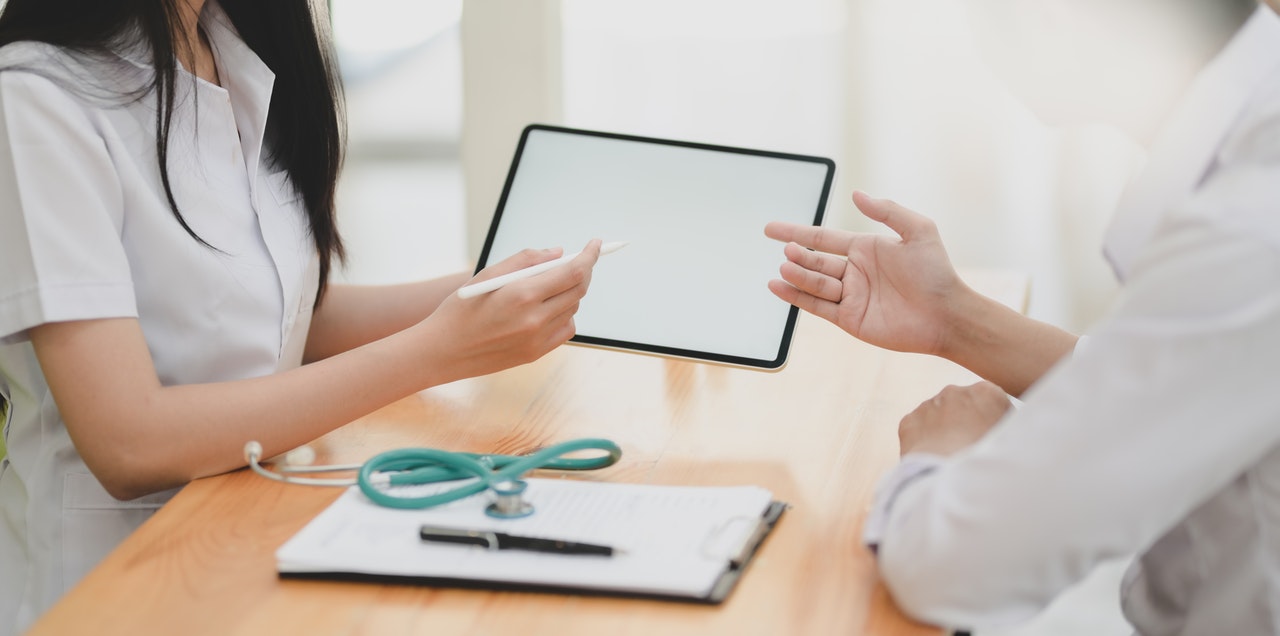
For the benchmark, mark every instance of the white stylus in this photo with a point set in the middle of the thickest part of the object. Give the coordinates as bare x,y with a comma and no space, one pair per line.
486,286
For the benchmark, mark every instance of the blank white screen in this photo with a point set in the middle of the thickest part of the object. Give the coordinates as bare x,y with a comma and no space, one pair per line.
695,274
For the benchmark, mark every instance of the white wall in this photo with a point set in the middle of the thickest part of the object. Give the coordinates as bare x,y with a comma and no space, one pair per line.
895,92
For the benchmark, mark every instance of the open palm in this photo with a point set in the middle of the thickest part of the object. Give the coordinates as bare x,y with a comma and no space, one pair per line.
892,292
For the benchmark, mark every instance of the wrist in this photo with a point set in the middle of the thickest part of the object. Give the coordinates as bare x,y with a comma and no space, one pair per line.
1001,345
432,360
968,325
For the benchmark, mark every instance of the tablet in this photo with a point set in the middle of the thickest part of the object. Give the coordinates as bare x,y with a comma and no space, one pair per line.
693,281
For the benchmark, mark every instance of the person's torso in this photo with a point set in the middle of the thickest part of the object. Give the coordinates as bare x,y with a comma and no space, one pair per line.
1218,570
238,308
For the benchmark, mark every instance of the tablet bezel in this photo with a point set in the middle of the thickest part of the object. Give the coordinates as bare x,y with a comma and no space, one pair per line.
784,345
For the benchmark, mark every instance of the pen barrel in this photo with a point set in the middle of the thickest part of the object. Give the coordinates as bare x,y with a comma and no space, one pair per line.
498,282
553,545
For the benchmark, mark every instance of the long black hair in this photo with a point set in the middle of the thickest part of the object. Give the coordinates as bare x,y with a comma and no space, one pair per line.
305,124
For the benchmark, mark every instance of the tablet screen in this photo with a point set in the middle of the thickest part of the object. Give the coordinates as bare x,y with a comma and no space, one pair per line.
692,282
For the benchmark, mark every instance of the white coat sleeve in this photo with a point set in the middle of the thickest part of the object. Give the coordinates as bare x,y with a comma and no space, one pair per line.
61,210
1174,396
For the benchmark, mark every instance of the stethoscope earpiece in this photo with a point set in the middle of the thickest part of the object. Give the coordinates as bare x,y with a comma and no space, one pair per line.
252,453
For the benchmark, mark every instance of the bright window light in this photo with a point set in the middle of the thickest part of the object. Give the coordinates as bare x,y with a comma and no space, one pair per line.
707,18
385,26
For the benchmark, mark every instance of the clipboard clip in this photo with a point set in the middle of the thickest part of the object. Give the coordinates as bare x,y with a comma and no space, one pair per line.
752,530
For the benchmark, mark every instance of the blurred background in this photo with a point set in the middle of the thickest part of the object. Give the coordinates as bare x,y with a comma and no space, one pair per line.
896,93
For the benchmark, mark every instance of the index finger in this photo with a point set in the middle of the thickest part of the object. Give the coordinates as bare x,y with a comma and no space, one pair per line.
565,277
516,262
823,239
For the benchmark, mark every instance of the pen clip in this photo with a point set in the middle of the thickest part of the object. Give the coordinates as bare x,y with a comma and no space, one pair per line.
459,535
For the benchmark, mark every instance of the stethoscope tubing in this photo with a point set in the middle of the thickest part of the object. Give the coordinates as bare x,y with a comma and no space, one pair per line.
421,466
415,466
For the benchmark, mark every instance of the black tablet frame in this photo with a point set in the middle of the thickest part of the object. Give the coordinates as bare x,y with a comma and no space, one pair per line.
784,346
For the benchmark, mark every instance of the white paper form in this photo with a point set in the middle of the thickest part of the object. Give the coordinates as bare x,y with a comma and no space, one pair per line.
676,540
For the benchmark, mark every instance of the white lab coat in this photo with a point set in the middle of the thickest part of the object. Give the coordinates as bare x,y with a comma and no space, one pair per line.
1161,434
86,233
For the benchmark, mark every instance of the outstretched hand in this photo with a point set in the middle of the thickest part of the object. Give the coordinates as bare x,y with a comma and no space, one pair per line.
892,292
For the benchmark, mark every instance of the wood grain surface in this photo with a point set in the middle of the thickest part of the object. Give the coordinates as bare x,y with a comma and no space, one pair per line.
818,434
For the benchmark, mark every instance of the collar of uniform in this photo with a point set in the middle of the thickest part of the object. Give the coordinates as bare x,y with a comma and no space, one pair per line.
248,81
1184,152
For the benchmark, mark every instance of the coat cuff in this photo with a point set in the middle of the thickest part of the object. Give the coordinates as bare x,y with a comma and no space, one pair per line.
912,467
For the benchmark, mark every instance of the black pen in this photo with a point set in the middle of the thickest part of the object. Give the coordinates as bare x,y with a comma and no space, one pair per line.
504,541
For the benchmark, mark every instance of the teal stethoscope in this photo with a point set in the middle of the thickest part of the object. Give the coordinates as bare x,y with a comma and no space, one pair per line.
416,466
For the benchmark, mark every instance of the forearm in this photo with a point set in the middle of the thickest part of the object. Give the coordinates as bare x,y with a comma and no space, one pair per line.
350,316
140,437
1002,345
281,411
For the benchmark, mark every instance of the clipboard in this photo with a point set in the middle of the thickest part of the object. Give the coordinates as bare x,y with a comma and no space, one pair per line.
355,540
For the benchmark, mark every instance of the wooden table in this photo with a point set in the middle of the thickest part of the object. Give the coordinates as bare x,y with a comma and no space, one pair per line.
818,434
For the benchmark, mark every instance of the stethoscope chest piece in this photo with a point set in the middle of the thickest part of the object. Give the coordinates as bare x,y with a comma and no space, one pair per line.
509,502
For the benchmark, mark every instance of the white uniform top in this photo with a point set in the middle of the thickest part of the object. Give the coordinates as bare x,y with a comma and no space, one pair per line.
1161,434
86,232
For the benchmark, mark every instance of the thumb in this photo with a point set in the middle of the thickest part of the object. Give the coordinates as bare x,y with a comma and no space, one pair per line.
903,221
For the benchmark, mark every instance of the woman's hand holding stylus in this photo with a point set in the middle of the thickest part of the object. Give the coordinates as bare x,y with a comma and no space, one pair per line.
516,324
